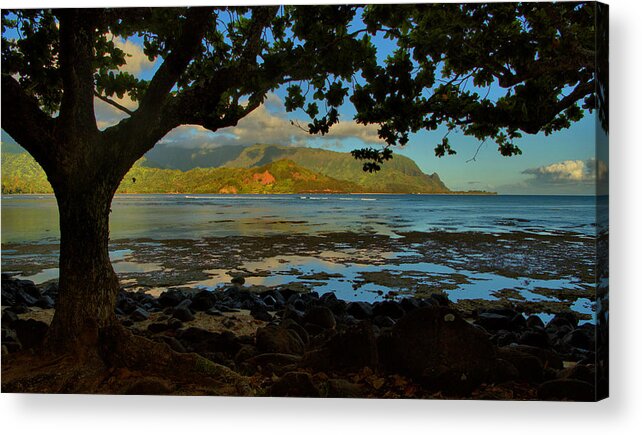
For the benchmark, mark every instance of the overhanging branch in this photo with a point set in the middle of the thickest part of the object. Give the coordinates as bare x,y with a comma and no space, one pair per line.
113,103
23,119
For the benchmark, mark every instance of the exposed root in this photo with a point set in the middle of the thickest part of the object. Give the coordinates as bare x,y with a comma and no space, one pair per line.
123,364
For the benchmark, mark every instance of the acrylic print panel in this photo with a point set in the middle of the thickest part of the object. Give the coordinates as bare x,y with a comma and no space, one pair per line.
388,201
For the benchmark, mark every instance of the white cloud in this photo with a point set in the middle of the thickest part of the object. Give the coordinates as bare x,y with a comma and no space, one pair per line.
137,60
269,123
567,171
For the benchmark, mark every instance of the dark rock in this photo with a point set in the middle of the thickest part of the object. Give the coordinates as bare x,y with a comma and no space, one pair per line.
493,321
291,313
440,299
10,340
383,321
313,329
125,304
534,337
300,330
391,309
202,341
534,321
505,371
269,363
504,338
260,313
277,339
182,311
19,309
517,323
547,357
127,322
269,301
359,310
529,367
214,312
173,343
8,317
579,338
566,389
409,304
563,319
203,301
155,328
171,298
351,349
139,315
294,384
341,388
45,302
238,280
30,332
320,316
437,347
581,372
174,323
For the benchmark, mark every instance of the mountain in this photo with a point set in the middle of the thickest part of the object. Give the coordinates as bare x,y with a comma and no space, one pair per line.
399,175
21,174
253,169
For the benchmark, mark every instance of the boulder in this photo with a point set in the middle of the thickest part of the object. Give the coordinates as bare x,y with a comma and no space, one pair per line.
139,315
534,321
391,309
269,363
528,366
45,302
294,384
341,388
349,350
320,316
261,313
203,301
493,321
277,339
171,298
30,332
437,347
359,310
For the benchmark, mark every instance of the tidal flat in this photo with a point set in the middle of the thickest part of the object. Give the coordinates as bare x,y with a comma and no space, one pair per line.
535,273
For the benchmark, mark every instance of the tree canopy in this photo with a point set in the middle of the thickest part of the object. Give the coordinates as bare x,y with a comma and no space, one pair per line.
492,71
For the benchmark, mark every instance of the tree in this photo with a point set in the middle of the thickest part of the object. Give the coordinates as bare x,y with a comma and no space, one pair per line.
219,63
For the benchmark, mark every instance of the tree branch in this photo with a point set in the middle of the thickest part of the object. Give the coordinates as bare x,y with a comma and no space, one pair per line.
25,122
183,51
77,29
113,103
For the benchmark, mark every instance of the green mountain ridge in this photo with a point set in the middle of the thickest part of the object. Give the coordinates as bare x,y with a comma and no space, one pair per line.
399,175
253,169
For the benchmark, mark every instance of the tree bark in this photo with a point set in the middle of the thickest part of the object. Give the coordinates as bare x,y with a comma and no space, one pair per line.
88,285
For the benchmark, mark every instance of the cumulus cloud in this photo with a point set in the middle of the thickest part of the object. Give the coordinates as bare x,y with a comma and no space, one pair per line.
269,123
137,60
567,171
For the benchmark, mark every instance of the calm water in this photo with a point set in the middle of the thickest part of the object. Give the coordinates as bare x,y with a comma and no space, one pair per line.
33,218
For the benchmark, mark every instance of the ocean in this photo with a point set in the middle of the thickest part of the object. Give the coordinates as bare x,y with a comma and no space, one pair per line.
534,251
34,218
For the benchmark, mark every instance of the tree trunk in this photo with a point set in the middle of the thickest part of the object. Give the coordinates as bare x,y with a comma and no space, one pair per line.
88,285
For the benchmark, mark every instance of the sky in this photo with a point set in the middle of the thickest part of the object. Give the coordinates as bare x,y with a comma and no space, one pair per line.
561,163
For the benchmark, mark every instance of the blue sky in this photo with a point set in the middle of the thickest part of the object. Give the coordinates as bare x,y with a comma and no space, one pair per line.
562,163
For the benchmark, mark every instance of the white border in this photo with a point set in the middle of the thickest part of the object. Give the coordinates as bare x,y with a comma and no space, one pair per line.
621,413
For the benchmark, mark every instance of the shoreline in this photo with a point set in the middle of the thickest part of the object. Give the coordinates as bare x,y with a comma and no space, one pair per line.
290,344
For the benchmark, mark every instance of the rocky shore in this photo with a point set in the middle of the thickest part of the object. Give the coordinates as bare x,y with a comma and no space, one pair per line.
287,343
